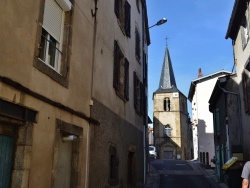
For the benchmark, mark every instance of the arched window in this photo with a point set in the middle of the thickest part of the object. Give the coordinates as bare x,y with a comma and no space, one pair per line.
168,130
166,104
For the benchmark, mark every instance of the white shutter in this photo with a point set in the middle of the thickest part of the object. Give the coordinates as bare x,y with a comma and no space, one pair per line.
52,19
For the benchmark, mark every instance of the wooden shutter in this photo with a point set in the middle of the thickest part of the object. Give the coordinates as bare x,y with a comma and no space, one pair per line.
117,8
116,61
142,99
137,44
126,90
52,19
127,18
246,90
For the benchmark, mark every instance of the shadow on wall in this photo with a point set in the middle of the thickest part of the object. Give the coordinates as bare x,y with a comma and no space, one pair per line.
205,142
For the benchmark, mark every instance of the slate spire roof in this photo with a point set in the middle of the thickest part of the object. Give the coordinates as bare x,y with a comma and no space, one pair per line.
167,79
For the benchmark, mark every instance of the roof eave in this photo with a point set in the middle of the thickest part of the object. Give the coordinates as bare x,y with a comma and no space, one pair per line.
235,20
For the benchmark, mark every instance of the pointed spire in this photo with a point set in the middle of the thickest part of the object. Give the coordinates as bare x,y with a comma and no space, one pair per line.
167,79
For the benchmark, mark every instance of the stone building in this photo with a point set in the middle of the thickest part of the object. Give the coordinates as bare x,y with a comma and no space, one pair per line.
119,94
172,132
73,92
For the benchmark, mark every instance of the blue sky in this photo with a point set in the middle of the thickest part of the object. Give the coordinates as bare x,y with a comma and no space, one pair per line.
196,30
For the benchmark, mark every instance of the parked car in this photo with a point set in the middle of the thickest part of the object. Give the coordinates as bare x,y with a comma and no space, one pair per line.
152,152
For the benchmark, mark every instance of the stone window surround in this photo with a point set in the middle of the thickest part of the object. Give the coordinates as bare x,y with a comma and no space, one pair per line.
68,128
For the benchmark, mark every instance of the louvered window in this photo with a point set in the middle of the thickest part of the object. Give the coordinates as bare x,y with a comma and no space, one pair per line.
121,73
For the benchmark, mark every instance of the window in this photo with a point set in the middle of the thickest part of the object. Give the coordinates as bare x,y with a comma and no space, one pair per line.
113,166
54,39
168,130
166,104
137,45
49,52
139,95
121,73
216,115
67,152
246,88
245,28
123,14
145,70
138,5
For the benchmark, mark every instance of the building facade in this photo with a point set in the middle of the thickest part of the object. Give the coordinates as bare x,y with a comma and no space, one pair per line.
203,130
172,132
45,78
73,92
119,95
224,103
238,31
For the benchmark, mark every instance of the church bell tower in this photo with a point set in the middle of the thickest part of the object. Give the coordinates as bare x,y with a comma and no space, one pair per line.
170,118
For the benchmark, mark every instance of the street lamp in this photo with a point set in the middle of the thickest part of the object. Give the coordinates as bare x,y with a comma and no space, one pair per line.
160,22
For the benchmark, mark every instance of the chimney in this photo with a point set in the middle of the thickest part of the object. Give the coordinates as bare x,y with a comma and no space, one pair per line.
200,73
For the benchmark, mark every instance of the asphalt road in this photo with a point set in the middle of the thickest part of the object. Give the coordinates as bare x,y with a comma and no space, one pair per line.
181,174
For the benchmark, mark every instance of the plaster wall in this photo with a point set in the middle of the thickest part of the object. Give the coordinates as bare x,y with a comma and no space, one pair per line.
241,59
44,136
18,47
202,118
108,30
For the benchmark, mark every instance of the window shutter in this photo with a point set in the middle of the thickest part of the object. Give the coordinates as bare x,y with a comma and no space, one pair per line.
246,91
135,94
116,61
142,97
137,44
126,91
127,18
52,19
117,8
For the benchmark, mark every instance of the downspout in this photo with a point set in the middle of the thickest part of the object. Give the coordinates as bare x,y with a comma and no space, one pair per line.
94,14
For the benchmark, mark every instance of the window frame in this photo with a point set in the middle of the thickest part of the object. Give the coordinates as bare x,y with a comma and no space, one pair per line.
120,73
166,104
245,27
113,166
139,95
122,11
137,45
246,90
168,130
62,74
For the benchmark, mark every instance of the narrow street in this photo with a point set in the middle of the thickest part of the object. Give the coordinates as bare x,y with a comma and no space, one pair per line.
179,174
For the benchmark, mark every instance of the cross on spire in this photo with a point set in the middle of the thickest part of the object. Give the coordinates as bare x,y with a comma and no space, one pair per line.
166,40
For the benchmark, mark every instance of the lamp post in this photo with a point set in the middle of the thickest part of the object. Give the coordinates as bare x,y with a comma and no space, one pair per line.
160,22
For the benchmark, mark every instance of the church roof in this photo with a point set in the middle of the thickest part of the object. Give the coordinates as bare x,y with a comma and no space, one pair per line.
167,80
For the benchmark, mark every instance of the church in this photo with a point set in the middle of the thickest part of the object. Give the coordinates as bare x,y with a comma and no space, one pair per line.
172,128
